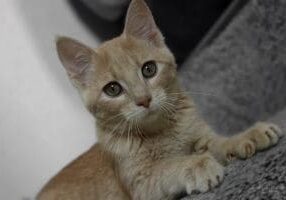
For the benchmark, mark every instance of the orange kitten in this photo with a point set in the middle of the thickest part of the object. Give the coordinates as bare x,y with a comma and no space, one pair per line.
152,144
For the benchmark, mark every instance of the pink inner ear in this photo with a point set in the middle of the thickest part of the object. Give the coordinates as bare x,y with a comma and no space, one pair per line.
75,57
152,35
81,62
77,64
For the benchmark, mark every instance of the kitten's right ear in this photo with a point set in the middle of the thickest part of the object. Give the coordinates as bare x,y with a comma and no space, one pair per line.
140,23
75,57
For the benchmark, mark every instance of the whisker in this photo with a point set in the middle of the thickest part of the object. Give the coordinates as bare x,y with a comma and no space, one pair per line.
196,93
113,118
111,144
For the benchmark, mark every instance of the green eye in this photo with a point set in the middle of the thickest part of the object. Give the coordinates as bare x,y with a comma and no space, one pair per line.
112,89
149,69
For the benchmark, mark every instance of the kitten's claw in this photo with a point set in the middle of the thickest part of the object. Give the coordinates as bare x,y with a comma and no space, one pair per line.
261,136
246,149
230,157
265,135
206,174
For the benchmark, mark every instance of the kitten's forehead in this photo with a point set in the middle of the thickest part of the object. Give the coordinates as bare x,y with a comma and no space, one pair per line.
122,56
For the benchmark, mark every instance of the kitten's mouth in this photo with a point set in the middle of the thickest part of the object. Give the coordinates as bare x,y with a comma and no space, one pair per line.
152,110
143,115
149,114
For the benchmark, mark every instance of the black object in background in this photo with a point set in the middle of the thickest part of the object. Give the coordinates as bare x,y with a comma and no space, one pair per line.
183,22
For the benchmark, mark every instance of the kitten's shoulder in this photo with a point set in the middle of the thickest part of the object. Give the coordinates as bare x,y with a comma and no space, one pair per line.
87,177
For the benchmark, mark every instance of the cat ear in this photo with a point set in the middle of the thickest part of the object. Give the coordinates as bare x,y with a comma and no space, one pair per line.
75,57
140,23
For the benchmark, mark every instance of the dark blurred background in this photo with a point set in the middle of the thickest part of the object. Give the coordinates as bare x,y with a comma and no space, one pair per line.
183,23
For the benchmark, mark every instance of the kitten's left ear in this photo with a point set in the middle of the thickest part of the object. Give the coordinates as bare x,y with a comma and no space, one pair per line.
140,23
76,59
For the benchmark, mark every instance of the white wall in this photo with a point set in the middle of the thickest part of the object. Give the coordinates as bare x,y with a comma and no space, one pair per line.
43,124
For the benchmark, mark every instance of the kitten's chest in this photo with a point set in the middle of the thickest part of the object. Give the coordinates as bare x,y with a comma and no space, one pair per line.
169,145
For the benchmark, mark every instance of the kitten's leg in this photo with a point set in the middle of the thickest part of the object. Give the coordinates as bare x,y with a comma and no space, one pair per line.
244,145
166,178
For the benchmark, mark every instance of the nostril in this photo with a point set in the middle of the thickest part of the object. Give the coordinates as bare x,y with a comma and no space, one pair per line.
149,99
145,102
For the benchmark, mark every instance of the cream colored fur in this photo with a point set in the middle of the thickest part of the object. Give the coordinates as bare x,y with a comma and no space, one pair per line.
143,153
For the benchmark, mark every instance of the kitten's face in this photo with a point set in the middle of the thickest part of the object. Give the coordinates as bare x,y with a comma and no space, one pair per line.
131,77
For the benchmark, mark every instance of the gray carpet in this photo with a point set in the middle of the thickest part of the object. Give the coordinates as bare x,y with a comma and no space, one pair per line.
241,77
238,79
261,178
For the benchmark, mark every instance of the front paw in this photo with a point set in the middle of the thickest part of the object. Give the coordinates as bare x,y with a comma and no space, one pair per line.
205,174
264,135
261,136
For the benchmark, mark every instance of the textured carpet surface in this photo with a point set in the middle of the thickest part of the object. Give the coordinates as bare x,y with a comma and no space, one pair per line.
237,80
262,177
241,77
192,18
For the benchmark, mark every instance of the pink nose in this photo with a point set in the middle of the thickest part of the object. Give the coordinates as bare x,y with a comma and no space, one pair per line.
144,101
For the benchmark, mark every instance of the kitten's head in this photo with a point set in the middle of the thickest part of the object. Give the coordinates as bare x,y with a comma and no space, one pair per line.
131,77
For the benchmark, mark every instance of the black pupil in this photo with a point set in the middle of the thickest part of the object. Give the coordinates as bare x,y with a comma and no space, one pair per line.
112,89
149,69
